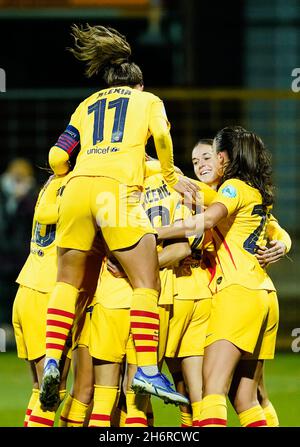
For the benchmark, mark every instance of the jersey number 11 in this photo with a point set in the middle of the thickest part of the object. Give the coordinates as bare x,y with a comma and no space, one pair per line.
99,108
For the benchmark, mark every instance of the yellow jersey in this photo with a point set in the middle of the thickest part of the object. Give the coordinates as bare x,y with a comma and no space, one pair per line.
40,269
162,204
112,127
276,232
192,276
208,194
236,237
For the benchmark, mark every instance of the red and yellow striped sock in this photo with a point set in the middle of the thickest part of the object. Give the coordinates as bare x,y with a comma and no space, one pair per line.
65,411
186,419
271,416
123,416
32,401
196,409
104,400
213,411
137,405
76,414
253,417
60,317
41,418
144,324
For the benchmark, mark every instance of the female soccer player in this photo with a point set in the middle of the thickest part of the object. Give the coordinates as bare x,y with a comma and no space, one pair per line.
36,281
244,318
206,170
112,127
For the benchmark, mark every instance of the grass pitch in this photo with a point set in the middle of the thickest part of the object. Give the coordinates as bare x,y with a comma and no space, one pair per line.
282,379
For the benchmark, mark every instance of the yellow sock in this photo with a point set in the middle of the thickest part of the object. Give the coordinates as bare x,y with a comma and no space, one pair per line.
76,414
41,418
104,400
271,416
32,401
253,417
123,416
196,409
213,411
137,405
65,411
186,419
144,325
62,395
60,317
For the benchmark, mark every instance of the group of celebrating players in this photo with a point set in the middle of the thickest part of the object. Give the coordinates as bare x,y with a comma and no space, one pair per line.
133,264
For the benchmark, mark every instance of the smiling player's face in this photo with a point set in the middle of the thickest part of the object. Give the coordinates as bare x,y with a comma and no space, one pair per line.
206,164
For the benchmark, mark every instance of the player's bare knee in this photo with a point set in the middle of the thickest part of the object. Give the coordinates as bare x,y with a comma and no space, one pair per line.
215,386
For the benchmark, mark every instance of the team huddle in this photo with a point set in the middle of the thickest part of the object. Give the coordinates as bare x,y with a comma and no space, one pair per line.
132,264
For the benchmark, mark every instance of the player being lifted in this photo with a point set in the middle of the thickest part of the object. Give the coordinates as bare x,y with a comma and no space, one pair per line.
112,127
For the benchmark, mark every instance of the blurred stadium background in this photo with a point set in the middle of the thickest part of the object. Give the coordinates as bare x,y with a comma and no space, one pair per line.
213,63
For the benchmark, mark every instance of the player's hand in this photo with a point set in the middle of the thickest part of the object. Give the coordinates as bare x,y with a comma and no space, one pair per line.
115,269
188,190
274,253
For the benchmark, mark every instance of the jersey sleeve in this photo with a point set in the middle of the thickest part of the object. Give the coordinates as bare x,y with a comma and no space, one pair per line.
66,144
46,211
159,127
208,194
275,232
70,138
230,195
152,167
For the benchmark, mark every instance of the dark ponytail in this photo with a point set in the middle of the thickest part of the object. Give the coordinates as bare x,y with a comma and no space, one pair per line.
249,160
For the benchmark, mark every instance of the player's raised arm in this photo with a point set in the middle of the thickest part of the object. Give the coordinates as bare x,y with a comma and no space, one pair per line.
46,210
65,146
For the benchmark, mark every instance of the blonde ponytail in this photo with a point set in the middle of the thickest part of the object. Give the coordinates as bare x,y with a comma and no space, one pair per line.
99,47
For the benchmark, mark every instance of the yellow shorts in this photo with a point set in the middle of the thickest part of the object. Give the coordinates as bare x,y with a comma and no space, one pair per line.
81,325
29,322
110,337
247,318
89,203
82,329
164,311
187,327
